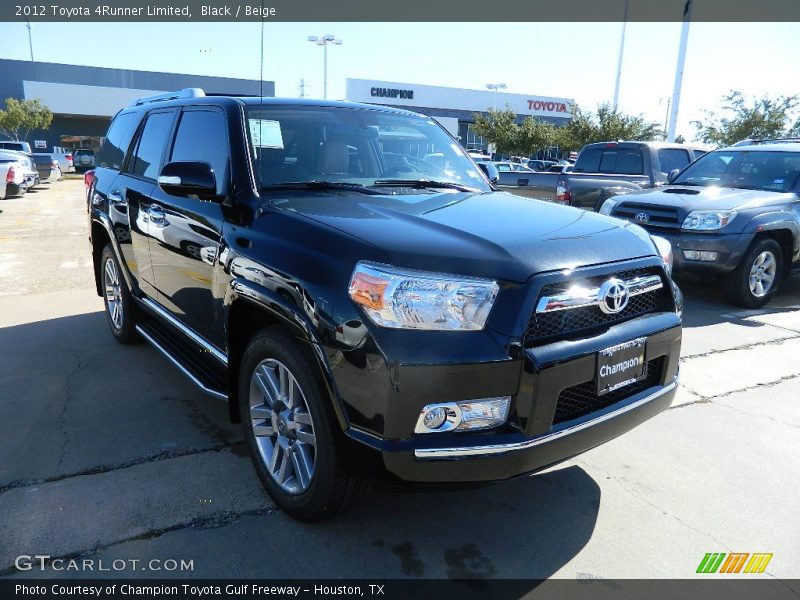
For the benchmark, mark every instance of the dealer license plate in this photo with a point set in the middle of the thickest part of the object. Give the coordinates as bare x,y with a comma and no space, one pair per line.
621,365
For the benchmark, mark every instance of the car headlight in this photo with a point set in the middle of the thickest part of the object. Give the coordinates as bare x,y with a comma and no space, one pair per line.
664,251
419,300
708,220
608,206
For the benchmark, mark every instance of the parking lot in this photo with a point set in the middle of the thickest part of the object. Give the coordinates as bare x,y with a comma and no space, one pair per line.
108,452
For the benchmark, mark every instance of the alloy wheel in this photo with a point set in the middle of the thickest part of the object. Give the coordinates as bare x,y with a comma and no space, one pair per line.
762,274
113,293
282,426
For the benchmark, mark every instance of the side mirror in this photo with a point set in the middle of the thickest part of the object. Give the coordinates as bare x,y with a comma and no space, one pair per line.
490,171
672,175
188,179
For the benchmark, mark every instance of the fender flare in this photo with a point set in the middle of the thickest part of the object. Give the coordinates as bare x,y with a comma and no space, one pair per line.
241,289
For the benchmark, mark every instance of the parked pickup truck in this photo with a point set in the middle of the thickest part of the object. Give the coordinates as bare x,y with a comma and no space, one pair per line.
732,214
610,168
369,316
540,185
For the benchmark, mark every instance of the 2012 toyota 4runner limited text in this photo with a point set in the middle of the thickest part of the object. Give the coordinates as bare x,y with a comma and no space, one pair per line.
349,280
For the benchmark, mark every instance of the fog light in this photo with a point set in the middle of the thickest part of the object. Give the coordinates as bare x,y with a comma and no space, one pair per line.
435,417
465,415
702,255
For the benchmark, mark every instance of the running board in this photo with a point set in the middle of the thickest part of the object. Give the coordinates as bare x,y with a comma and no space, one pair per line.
161,345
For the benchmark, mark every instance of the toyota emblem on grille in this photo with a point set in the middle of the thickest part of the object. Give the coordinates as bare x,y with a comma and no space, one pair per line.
613,296
642,217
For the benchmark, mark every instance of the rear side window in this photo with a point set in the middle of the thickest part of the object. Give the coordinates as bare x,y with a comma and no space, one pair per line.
672,158
150,149
621,161
203,136
117,141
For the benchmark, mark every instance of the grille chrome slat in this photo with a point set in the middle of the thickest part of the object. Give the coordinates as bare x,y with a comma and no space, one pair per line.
591,296
551,320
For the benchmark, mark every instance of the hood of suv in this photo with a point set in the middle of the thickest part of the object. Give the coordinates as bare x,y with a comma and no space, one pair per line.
495,235
689,198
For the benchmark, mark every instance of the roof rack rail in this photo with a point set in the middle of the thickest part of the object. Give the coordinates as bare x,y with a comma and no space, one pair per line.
184,93
755,142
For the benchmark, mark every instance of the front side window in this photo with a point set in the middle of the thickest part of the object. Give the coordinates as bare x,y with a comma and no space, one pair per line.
150,149
202,136
354,146
752,169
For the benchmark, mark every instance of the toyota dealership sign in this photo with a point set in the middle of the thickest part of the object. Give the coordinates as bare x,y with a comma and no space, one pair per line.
427,96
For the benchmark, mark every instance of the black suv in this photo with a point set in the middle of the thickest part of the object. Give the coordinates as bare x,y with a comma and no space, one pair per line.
350,282
733,213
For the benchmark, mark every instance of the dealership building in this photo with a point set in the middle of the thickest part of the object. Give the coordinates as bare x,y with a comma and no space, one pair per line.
455,108
83,99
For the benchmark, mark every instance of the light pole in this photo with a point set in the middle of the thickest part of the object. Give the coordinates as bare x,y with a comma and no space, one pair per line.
30,38
676,91
324,40
495,87
619,60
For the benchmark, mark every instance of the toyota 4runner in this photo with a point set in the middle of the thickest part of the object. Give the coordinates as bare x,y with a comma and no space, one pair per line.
352,284
733,213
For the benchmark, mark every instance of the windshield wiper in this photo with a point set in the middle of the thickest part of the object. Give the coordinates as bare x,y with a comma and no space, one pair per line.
316,184
423,183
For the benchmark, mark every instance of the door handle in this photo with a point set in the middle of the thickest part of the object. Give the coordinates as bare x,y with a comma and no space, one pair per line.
115,197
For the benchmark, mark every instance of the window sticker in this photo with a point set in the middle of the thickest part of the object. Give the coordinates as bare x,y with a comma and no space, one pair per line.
265,133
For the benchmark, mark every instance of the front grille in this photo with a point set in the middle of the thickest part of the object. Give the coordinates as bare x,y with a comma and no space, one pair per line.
655,216
587,319
582,399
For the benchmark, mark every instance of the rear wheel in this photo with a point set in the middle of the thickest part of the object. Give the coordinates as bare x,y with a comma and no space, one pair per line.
290,430
120,308
756,278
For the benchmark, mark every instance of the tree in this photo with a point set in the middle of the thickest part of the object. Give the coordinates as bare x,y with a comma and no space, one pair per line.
532,135
760,118
604,126
679,139
500,128
497,126
21,116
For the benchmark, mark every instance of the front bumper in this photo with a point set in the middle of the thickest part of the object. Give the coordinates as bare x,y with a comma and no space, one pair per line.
729,247
532,441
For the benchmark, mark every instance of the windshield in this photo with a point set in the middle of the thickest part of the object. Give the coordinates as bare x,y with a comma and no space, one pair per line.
294,144
752,169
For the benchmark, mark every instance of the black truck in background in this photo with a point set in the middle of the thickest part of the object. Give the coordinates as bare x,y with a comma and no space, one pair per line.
608,169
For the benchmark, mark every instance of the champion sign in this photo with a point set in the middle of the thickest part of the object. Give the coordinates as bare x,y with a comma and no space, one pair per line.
548,106
381,92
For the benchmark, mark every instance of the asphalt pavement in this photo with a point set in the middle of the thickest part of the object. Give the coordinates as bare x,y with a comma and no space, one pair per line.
108,452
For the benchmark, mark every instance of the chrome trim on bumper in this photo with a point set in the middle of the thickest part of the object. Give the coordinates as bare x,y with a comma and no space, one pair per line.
181,368
468,451
582,297
191,334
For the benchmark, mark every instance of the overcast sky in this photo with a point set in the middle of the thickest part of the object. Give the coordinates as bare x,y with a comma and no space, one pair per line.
572,60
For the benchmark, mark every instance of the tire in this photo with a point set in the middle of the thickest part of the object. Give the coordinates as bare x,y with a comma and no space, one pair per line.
294,433
119,304
755,280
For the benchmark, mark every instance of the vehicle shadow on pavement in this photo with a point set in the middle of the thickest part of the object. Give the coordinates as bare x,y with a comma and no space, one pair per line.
92,417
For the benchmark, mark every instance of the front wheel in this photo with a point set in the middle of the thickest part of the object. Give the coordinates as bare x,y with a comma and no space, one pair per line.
755,280
290,430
